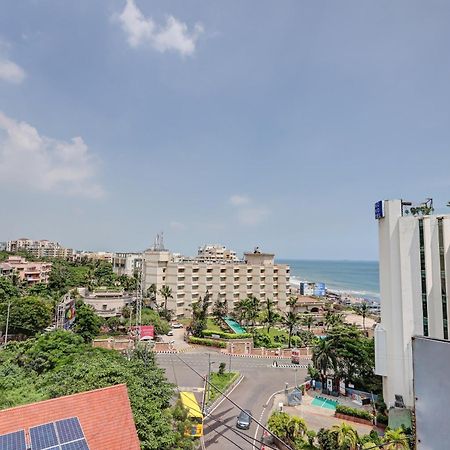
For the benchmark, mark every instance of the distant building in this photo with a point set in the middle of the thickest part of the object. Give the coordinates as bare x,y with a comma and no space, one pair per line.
215,253
226,278
414,282
2,246
126,263
107,303
30,272
100,420
95,256
39,248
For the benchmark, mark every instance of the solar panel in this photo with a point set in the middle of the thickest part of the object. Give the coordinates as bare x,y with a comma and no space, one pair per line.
43,437
69,430
13,441
77,445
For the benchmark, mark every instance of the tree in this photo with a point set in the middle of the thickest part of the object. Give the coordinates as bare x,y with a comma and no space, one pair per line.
269,315
288,428
7,289
152,317
151,294
324,357
308,321
199,315
291,302
220,310
333,319
247,310
395,440
347,437
290,320
87,323
363,311
221,368
113,323
28,315
166,293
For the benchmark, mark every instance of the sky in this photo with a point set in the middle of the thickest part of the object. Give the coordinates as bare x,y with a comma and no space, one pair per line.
275,124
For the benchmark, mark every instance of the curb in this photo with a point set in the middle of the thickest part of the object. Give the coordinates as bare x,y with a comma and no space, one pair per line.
291,366
306,358
226,392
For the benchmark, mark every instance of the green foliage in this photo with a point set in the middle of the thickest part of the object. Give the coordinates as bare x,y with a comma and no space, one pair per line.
68,366
327,439
87,322
225,335
360,413
290,320
221,381
166,293
152,317
199,319
222,366
269,315
220,310
261,339
207,342
247,310
382,419
28,315
289,429
7,289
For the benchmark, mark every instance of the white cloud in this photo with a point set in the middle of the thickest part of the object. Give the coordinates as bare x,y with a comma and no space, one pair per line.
247,212
32,161
174,35
238,200
10,71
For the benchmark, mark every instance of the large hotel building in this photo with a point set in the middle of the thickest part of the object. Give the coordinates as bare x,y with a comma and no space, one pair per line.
216,271
414,282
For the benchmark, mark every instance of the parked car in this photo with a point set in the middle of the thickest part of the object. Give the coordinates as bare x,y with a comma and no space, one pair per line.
170,333
177,325
244,419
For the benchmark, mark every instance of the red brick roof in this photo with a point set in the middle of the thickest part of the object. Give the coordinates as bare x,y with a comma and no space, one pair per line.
104,414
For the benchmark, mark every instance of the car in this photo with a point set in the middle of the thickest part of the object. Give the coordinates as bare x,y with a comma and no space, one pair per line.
244,419
170,333
177,325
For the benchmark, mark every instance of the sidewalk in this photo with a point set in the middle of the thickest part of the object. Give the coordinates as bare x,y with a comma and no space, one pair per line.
315,416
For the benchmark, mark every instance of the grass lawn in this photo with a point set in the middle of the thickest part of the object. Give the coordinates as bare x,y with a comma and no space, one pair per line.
211,325
221,382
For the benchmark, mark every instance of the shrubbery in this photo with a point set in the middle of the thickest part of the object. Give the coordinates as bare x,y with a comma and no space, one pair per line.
360,413
225,335
207,342
382,419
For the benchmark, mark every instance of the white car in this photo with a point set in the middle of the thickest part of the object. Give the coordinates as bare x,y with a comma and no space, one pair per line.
177,325
170,333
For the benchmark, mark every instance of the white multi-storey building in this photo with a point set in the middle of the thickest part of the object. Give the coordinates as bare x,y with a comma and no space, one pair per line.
190,279
127,263
414,281
40,248
213,253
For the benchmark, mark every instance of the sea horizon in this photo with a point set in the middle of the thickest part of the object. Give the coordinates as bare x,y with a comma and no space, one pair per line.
348,277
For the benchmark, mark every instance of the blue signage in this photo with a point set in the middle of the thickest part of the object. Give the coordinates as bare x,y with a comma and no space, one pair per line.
379,210
320,289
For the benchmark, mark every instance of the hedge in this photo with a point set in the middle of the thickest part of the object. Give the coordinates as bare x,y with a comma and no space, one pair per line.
360,413
207,342
382,418
224,335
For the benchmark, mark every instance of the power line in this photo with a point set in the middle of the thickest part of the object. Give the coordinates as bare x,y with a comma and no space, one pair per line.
239,433
233,402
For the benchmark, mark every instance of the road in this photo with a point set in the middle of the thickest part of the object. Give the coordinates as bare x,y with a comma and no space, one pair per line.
260,381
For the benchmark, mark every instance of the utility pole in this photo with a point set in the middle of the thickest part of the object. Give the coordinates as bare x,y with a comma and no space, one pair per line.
229,364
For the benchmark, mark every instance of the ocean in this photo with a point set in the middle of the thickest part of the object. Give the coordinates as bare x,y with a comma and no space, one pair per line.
355,278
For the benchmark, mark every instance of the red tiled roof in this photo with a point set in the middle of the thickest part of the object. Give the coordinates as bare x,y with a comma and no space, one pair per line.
104,414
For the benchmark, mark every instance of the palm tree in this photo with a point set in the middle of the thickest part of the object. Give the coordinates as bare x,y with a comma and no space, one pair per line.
324,357
363,310
308,321
395,440
253,308
270,316
291,302
347,436
166,293
295,428
290,320
333,319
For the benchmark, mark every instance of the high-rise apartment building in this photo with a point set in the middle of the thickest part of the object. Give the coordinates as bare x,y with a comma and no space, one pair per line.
229,279
40,248
414,282
127,263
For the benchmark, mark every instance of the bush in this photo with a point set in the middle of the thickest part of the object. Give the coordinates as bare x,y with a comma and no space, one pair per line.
382,419
224,335
207,342
360,413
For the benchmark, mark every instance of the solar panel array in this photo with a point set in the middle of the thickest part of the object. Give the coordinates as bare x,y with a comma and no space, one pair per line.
64,434
13,441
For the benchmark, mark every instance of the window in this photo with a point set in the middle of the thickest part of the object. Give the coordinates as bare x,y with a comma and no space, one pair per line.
423,278
443,279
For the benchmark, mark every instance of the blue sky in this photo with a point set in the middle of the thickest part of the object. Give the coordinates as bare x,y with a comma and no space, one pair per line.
276,124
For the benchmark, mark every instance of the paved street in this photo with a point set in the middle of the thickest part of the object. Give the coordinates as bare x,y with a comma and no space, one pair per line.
260,381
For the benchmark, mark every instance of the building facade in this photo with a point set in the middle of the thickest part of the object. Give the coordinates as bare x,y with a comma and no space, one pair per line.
29,272
190,279
414,254
126,263
40,248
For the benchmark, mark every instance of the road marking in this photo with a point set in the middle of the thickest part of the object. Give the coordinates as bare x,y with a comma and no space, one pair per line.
224,398
191,389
